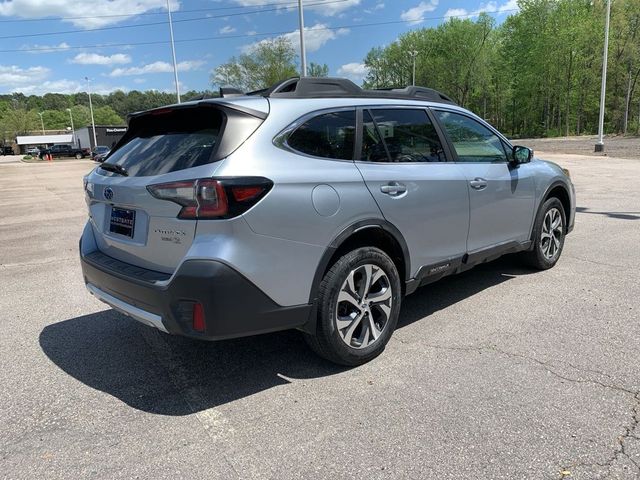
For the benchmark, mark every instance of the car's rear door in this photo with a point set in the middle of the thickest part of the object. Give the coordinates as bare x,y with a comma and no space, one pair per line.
408,172
501,193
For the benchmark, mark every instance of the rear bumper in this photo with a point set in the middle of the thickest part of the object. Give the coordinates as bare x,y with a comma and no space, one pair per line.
233,306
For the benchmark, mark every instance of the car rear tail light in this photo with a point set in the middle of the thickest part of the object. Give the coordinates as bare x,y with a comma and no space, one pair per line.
198,322
208,198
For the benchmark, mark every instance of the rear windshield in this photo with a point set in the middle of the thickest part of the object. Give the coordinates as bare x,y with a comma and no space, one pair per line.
168,141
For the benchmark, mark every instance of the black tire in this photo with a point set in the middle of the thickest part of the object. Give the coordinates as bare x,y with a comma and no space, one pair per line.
328,341
536,258
79,156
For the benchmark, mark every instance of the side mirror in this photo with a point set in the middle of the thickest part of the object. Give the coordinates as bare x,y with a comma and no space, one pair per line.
522,154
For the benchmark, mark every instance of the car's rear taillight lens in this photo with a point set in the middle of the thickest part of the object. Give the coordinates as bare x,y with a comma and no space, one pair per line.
208,198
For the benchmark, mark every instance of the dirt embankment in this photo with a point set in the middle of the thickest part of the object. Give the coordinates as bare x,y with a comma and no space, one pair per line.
619,147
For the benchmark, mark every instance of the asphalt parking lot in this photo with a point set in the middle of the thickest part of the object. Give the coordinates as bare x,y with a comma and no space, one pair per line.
498,373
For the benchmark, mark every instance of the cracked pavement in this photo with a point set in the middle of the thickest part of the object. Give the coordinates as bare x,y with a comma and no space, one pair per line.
500,372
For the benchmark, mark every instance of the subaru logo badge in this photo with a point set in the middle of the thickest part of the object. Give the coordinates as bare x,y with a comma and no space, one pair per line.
108,193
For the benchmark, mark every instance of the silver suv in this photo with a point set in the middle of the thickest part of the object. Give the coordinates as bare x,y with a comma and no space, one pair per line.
312,205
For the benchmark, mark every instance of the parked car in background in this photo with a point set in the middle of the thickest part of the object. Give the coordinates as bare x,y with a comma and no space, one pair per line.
313,205
7,150
33,151
100,157
100,150
68,151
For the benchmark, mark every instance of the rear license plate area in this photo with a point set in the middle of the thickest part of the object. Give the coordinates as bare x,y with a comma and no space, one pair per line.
122,221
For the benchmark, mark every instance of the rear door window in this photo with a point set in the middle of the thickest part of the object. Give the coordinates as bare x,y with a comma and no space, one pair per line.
170,140
407,134
329,135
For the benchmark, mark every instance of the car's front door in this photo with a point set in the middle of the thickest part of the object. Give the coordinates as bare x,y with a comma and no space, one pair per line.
424,195
501,193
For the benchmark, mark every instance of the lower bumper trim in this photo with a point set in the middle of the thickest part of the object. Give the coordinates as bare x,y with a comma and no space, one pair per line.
148,318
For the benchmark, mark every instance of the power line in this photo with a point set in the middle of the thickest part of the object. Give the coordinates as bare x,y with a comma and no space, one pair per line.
132,14
184,20
247,35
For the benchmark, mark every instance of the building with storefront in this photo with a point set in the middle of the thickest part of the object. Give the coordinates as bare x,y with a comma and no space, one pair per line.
107,135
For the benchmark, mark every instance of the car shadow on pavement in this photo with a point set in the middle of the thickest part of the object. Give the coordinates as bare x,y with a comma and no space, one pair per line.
616,215
166,375
453,289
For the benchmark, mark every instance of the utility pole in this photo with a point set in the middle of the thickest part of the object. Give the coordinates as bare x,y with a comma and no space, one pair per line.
41,121
93,123
303,53
73,130
414,54
173,51
603,88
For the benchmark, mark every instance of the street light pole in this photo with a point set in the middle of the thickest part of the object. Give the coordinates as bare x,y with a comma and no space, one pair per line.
603,87
73,130
41,122
414,54
173,52
93,122
303,53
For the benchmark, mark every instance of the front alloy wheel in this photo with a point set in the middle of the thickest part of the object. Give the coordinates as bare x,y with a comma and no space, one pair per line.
548,235
551,235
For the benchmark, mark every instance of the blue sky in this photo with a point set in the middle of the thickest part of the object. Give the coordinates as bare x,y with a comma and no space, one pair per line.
52,45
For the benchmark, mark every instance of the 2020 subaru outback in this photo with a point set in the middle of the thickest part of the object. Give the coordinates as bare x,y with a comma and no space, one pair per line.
312,205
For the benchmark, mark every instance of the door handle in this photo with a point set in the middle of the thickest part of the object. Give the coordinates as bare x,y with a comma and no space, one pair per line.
478,183
393,188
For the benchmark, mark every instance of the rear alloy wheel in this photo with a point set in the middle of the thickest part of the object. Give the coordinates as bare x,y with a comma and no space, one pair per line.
363,306
549,234
358,307
78,156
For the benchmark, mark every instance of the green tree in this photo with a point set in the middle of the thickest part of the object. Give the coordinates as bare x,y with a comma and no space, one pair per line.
106,116
268,62
56,119
317,70
19,121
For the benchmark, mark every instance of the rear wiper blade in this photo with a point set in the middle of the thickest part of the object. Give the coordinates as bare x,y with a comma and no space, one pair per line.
115,168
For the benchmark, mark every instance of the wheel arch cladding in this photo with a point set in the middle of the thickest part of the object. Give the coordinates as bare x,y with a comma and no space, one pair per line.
559,191
376,233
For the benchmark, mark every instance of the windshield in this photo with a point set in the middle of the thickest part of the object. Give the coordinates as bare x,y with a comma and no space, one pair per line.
169,140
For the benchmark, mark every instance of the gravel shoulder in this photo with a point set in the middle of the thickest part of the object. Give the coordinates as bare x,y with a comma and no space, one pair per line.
615,146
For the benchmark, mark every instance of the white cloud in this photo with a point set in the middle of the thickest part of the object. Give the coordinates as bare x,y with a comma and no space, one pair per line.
227,29
415,15
456,12
139,81
97,59
34,81
54,86
314,38
354,71
157,67
510,6
45,48
378,6
328,8
99,12
12,76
